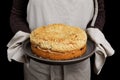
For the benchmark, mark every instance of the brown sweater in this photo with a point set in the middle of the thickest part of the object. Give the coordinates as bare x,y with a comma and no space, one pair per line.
18,16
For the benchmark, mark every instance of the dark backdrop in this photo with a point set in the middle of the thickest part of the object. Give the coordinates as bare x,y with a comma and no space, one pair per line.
14,70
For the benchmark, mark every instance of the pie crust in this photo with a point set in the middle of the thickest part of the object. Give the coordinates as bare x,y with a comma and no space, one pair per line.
58,41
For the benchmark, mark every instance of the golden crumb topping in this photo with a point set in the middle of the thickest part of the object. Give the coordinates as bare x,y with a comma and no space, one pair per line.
58,37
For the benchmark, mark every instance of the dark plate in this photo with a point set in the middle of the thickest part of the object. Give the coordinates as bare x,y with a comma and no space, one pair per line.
89,53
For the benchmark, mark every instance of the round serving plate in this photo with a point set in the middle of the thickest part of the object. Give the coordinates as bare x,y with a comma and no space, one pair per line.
28,52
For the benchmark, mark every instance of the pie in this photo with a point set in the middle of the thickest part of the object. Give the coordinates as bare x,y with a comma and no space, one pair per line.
58,41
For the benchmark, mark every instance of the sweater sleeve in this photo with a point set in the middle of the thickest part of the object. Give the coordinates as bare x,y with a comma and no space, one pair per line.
18,16
100,20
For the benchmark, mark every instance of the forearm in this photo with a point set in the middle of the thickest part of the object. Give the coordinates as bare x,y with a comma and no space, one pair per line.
18,16
100,21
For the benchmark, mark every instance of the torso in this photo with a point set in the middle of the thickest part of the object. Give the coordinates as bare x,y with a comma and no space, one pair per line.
72,12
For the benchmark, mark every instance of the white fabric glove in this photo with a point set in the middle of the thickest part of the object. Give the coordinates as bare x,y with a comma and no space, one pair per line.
15,50
103,48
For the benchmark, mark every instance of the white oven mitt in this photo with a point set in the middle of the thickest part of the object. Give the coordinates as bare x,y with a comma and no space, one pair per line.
103,48
15,50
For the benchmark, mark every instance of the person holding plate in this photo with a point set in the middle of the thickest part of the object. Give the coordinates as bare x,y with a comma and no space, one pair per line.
26,15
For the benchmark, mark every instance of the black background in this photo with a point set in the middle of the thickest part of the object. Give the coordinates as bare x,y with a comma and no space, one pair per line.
110,70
